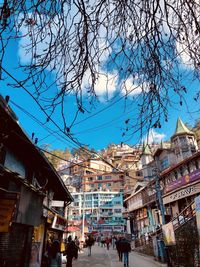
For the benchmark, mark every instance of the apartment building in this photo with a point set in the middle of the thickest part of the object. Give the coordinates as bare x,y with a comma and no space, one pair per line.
102,210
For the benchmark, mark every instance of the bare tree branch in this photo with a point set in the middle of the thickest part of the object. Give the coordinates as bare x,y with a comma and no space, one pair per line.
74,43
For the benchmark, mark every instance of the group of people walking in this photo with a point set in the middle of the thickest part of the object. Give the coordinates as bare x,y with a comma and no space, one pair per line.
54,254
72,247
121,244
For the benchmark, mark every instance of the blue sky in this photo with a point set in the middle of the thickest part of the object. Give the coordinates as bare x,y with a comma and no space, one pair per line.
106,121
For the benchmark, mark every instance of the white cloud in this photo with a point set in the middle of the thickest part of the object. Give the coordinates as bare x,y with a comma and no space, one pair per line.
153,137
133,87
105,85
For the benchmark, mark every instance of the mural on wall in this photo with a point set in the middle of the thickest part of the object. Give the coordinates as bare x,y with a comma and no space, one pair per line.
35,255
37,244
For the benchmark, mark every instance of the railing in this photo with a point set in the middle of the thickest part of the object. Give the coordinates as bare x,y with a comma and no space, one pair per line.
183,217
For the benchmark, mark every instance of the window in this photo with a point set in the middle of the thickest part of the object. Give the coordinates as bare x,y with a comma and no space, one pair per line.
13,163
196,164
164,163
175,175
188,167
108,184
99,177
182,140
108,177
181,171
117,210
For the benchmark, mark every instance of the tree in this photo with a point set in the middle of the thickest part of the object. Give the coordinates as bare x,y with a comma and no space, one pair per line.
56,156
136,45
83,152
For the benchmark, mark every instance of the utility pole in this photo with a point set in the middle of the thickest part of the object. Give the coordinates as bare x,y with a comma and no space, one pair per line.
159,197
83,217
158,191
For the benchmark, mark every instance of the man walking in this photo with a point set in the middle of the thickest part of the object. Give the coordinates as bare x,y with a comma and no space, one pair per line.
118,247
89,243
125,248
71,251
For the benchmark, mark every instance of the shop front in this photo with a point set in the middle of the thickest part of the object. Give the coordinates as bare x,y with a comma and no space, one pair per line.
20,212
179,199
55,230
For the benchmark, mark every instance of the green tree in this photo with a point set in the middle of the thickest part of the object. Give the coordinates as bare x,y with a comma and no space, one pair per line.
57,156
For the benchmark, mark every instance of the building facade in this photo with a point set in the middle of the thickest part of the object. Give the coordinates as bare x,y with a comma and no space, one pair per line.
101,209
29,185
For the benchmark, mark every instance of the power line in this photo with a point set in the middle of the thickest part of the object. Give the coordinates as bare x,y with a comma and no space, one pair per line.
49,118
51,132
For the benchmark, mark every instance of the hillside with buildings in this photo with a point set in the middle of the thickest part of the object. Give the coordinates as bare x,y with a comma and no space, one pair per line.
138,190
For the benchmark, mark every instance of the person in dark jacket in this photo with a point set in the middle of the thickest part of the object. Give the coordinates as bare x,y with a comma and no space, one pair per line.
71,251
55,259
118,247
125,248
89,243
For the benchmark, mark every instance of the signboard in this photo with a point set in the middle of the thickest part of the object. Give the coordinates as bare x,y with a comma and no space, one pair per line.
59,222
168,234
185,192
7,207
58,203
186,179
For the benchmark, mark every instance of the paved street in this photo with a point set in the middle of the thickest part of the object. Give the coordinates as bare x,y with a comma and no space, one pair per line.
101,257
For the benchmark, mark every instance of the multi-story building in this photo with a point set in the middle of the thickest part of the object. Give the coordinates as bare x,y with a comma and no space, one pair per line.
183,141
101,209
173,174
196,130
127,159
113,181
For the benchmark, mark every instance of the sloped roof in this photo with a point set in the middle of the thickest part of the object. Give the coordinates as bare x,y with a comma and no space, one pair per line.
181,128
146,150
20,141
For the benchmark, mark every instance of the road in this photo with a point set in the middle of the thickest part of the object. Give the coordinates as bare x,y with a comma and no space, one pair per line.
101,257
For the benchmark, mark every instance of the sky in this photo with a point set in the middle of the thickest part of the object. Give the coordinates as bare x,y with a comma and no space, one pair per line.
99,127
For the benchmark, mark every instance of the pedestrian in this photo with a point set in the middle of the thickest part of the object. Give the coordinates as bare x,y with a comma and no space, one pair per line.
118,247
77,242
99,240
125,248
55,259
114,239
102,241
107,241
89,243
71,251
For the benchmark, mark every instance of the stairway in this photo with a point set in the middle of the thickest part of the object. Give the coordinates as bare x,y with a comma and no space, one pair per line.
187,214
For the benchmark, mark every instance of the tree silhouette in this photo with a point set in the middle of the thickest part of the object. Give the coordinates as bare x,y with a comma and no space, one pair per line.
139,46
